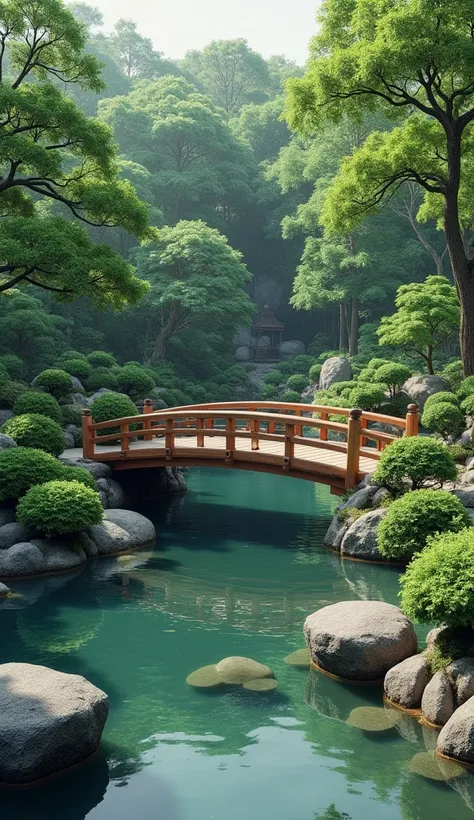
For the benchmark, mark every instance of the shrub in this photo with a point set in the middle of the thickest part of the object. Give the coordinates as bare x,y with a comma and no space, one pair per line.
32,401
9,392
442,398
112,406
135,381
70,355
35,430
22,468
398,406
4,375
298,382
394,375
269,392
99,358
291,397
176,398
438,586
274,377
13,365
286,368
302,363
423,461
78,368
343,388
315,373
444,418
78,474
453,373
60,507
56,382
467,406
101,378
367,396
466,388
414,517
71,414
452,643
459,453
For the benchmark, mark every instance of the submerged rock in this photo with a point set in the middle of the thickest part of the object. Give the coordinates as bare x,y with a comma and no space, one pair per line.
204,678
359,640
437,704
405,683
238,670
4,591
301,658
432,768
372,719
50,721
261,685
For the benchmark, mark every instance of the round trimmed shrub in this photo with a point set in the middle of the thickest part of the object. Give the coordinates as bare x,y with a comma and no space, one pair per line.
34,402
460,453
438,586
99,358
37,431
466,388
315,373
291,397
60,507
342,388
112,406
444,418
453,373
444,397
367,396
22,468
415,517
298,382
71,414
78,474
423,461
135,381
9,392
467,406
13,365
302,363
274,377
269,392
394,375
398,406
56,382
78,368
101,377
71,355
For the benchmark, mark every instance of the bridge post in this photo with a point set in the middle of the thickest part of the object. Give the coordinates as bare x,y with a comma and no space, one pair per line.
413,421
353,448
147,409
87,434
323,433
230,438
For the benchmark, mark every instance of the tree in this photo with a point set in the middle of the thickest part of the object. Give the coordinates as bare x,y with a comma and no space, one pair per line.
412,59
53,155
263,128
135,54
90,16
230,73
29,331
196,280
427,315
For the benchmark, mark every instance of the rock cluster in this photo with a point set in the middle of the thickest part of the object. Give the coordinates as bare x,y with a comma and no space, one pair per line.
234,672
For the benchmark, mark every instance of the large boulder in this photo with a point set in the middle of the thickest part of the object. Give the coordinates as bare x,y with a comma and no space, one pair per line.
78,400
7,515
141,529
420,388
437,704
360,540
405,683
461,675
111,494
456,738
77,386
6,442
359,500
50,721
243,354
336,533
95,468
336,369
290,349
5,415
21,559
121,531
13,533
359,640
61,555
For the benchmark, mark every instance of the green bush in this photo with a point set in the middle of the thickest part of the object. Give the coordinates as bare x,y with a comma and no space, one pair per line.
37,431
367,396
60,508
315,373
343,388
453,373
22,468
99,358
112,406
274,377
4,375
135,381
398,406
286,367
9,393
452,643
78,474
459,453
438,586
56,382
444,418
291,397
176,398
423,461
414,518
466,388
269,392
302,363
298,382
467,406
31,401
13,365
78,368
71,414
101,377
442,398
393,375
71,355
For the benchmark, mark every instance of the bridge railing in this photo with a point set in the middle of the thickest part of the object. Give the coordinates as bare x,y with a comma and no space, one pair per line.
258,422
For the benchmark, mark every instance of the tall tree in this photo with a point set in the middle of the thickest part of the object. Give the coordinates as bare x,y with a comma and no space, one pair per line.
53,156
413,58
135,54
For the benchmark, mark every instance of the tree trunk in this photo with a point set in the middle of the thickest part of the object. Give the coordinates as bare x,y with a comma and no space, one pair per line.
354,333
342,327
429,361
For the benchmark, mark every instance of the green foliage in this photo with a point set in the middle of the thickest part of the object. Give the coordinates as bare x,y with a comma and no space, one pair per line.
453,373
423,461
332,813
443,418
367,396
291,397
4,375
397,406
79,368
467,406
393,375
441,398
13,365
452,644
298,382
71,356
315,373
31,401
60,508
102,377
99,358
438,586
71,414
302,363
22,468
112,406
270,392
56,382
459,453
10,392
135,381
78,474
343,388
176,398
466,388
415,517
37,431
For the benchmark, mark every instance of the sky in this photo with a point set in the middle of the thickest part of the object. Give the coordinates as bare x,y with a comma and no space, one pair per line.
270,26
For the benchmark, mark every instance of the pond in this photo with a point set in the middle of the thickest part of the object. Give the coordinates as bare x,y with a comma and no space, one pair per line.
238,565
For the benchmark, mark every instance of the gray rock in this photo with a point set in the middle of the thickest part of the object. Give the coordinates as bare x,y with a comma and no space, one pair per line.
360,500
336,369
75,432
360,540
467,479
111,491
461,675
290,349
21,559
5,415
359,640
405,683
6,442
14,533
7,515
456,738
380,496
150,483
4,591
243,354
465,496
336,533
60,555
420,388
110,538
95,468
141,529
69,440
470,512
465,438
78,399
469,463
77,385
50,721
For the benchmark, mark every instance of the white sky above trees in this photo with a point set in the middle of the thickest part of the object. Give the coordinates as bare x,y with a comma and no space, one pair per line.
270,26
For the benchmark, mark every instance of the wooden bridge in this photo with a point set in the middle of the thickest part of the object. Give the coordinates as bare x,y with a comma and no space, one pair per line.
298,440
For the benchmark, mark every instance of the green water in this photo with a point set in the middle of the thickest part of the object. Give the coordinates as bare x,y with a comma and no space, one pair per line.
238,565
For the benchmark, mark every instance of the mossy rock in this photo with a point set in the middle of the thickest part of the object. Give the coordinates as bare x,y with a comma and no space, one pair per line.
237,670
204,678
261,685
432,768
371,719
301,658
